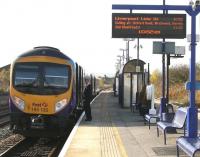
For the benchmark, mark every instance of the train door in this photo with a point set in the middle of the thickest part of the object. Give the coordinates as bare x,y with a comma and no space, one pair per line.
80,86
127,89
77,84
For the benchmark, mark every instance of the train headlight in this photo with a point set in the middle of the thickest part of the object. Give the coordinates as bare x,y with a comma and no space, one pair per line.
19,102
61,104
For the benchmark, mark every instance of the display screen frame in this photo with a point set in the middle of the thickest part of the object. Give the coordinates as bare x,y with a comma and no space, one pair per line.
137,25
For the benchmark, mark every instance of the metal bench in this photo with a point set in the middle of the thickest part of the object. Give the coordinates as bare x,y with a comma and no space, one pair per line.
189,145
170,110
148,118
133,107
177,123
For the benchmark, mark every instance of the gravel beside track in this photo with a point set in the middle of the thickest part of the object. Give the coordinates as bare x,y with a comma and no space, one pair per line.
4,110
35,147
5,132
7,144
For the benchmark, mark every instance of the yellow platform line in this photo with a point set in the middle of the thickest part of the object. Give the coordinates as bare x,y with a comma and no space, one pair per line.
119,141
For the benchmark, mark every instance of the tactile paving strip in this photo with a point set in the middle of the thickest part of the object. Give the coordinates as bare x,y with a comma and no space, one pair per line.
108,134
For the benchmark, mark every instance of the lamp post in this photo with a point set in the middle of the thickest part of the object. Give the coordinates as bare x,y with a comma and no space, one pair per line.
123,55
127,47
120,61
117,65
138,46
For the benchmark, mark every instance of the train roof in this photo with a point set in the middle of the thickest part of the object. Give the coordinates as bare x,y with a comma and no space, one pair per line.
45,51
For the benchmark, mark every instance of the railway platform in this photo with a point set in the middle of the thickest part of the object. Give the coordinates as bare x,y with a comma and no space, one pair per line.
116,132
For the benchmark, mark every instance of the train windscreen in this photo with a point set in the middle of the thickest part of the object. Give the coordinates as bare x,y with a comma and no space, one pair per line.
56,76
41,78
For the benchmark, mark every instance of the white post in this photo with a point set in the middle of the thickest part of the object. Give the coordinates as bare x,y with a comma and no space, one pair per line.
150,96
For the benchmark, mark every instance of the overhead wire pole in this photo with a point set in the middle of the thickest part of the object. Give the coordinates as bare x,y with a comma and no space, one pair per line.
128,47
120,61
128,55
127,51
123,56
138,49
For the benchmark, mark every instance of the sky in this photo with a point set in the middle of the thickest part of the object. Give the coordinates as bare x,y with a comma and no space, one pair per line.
80,29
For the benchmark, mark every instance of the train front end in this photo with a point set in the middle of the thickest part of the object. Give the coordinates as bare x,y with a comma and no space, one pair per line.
41,92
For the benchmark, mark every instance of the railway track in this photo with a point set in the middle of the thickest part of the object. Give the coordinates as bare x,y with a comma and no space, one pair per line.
5,132
31,147
4,115
4,111
4,121
15,145
4,118
9,143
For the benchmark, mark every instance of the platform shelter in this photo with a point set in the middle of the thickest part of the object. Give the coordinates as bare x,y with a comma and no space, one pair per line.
132,77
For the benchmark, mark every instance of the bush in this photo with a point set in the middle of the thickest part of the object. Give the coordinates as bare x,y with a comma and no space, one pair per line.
4,80
178,76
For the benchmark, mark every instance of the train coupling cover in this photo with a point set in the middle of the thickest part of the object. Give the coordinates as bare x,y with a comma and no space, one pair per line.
37,122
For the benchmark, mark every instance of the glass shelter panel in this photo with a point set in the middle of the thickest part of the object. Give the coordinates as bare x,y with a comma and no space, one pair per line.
127,89
117,85
140,82
134,88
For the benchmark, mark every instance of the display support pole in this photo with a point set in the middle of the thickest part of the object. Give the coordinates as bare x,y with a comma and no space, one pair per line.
163,99
192,119
168,64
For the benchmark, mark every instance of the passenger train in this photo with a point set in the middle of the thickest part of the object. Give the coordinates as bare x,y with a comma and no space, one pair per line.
46,88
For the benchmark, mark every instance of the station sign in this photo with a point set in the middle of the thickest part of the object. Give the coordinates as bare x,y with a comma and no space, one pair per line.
180,50
126,25
163,47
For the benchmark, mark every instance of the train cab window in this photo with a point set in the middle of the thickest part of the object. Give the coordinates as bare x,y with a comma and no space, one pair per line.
56,76
26,76
41,78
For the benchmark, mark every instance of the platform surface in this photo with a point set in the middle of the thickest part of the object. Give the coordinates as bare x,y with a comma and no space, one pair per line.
117,132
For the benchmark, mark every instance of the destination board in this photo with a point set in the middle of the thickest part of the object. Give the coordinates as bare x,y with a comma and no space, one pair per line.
126,25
